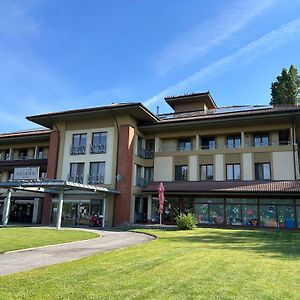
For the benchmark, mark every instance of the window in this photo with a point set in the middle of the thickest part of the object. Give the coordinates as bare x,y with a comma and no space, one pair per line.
262,171
78,144
97,172
6,155
206,172
208,143
23,154
233,172
184,145
233,142
149,175
139,180
261,140
76,172
181,172
99,141
140,150
149,152
40,153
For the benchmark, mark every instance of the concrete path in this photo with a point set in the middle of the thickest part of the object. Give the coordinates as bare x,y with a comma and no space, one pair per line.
25,260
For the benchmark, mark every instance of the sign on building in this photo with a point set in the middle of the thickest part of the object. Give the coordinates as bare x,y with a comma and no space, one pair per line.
28,173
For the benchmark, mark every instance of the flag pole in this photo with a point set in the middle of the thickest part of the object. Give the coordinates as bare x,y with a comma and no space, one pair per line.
160,219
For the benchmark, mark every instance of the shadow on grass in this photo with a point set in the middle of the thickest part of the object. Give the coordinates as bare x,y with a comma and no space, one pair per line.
280,244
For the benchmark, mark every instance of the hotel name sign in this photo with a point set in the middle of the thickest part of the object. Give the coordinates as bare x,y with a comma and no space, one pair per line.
28,173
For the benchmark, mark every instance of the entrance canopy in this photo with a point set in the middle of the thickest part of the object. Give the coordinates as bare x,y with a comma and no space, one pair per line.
54,186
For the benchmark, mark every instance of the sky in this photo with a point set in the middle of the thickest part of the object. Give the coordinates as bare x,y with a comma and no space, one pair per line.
57,55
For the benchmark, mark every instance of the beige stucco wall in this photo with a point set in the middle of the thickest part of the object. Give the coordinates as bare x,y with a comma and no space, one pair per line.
283,167
219,167
247,166
163,168
193,168
87,157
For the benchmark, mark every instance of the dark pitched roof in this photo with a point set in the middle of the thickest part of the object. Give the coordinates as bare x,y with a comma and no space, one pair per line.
25,133
228,111
287,186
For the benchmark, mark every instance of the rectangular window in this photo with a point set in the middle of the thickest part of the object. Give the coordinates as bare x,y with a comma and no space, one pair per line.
233,142
23,154
233,172
76,172
208,143
139,181
78,144
262,171
181,172
149,175
261,140
206,172
97,172
99,141
149,151
184,145
140,149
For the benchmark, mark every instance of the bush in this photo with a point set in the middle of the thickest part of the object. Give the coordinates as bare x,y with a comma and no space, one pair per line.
186,221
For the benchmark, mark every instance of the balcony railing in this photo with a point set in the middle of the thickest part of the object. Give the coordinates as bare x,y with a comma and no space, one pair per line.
142,182
95,149
143,153
75,178
95,178
77,150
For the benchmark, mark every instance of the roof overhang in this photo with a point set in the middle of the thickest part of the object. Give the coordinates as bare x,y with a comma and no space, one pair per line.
136,110
54,186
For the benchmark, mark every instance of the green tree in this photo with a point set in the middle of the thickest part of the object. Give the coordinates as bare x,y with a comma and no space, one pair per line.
286,89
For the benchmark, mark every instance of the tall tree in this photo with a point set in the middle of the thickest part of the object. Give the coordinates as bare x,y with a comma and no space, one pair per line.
286,89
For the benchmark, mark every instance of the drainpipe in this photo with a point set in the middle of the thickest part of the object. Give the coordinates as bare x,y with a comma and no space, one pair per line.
294,148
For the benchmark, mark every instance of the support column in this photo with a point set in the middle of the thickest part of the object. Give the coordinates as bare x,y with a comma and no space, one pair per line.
35,154
104,211
243,139
60,208
197,146
6,208
149,209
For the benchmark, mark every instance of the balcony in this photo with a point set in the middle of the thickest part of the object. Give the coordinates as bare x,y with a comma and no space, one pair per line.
142,182
147,154
96,149
77,150
75,178
95,178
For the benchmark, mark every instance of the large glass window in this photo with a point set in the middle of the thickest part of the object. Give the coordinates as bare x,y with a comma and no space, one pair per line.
76,172
78,143
262,171
139,179
233,141
206,172
149,174
286,217
249,215
268,216
261,140
201,213
209,213
208,143
149,151
233,215
181,172
97,172
233,172
99,141
184,145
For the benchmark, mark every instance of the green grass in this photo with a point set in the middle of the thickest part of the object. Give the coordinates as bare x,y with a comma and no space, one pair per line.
15,238
198,264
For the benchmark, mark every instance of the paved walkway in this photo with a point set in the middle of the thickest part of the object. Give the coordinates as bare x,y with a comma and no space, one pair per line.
25,260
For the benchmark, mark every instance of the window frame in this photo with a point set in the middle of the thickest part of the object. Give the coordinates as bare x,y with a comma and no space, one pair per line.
233,171
184,175
263,170
206,168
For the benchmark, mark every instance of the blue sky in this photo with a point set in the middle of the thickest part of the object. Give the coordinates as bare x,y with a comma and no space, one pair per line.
57,55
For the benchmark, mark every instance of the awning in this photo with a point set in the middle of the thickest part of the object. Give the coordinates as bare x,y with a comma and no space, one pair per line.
54,186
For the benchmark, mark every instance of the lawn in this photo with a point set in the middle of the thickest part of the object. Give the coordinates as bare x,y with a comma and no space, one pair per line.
15,238
198,264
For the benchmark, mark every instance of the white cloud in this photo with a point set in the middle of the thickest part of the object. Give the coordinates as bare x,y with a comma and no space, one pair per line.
283,35
209,34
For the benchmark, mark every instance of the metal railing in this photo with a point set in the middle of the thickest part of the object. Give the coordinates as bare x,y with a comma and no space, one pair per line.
95,178
97,148
77,150
75,178
143,153
142,182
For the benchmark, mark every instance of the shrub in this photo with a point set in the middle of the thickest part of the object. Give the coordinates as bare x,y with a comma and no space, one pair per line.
186,221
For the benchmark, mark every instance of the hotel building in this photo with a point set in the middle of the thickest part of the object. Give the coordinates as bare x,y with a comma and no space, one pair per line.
230,166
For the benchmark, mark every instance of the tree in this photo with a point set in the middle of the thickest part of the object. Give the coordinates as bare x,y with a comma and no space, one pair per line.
286,89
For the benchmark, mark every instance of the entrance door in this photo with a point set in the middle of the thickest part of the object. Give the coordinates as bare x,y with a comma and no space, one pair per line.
21,212
174,206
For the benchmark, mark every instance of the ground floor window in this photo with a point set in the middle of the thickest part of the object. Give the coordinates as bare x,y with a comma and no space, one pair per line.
77,212
264,212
